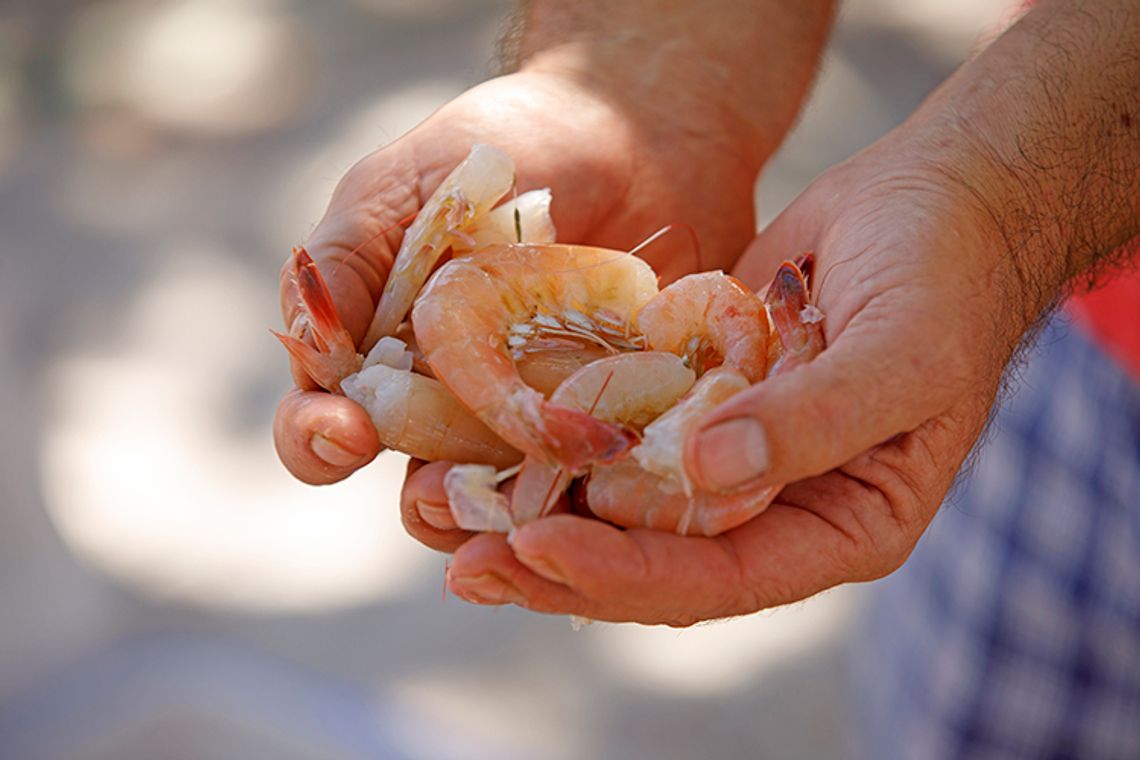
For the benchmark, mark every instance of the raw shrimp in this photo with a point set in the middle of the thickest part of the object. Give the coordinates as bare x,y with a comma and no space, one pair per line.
516,296
711,319
797,321
714,321
415,414
412,413
631,389
656,491
456,214
652,490
525,219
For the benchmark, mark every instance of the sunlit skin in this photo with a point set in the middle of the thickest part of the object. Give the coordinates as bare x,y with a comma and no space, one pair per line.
937,250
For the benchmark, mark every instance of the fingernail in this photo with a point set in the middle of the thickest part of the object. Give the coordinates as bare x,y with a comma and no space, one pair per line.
437,516
486,589
731,453
333,454
544,567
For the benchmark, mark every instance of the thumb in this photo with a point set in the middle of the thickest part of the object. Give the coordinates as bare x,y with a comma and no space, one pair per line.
890,366
855,395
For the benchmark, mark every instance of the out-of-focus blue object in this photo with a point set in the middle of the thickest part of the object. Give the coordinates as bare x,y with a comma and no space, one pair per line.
1014,629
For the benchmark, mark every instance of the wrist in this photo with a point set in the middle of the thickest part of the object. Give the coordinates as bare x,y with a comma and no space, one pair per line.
1039,129
736,76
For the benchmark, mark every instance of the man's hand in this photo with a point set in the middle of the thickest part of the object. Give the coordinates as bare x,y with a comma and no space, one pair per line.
633,117
937,249
611,186
918,333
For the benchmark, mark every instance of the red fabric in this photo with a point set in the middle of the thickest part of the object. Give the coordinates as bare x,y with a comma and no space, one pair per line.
1111,314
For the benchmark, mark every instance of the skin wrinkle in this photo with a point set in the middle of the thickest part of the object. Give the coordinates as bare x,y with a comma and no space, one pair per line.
726,600
741,581
882,497
907,490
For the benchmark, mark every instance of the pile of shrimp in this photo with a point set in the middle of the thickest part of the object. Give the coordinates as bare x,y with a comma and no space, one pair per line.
563,369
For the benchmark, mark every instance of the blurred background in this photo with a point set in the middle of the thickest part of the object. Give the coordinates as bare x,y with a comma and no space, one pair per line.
166,589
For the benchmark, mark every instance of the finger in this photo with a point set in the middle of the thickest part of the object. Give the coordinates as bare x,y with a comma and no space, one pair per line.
485,571
643,575
853,525
354,244
867,387
322,438
575,565
891,364
568,564
424,509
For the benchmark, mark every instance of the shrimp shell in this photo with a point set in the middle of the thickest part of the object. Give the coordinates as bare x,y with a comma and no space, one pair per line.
468,192
631,389
464,319
416,415
710,318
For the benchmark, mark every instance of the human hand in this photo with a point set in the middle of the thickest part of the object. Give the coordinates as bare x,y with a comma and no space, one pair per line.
937,250
616,173
871,433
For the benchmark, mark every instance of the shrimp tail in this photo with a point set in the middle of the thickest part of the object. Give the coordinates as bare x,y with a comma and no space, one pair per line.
575,439
328,330
334,355
311,360
798,323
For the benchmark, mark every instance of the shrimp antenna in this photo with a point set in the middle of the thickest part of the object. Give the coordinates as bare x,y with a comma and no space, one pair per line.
665,231
646,243
805,262
401,223
601,392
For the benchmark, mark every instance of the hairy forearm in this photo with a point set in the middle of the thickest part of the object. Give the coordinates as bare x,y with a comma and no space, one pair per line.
740,66
1052,110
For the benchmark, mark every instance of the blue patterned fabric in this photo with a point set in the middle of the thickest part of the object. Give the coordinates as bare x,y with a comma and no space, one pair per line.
1014,629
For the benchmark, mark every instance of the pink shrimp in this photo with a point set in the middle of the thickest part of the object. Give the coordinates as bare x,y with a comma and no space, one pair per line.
479,314
459,216
711,319
630,389
412,413
651,489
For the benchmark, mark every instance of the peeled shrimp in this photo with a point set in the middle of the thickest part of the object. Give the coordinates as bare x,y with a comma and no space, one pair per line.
412,413
519,296
456,214
522,219
415,414
711,319
651,488
630,389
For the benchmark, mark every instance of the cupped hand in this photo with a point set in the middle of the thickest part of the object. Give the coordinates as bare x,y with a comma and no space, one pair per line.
923,311
617,172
